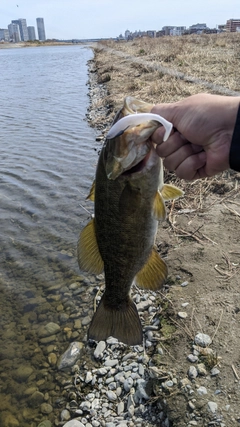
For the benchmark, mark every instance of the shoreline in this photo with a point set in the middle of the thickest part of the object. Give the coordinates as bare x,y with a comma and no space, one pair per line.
195,398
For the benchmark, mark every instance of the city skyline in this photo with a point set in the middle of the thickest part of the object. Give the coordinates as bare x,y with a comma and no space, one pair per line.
102,19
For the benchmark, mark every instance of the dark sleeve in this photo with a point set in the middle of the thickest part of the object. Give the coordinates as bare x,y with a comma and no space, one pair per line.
234,156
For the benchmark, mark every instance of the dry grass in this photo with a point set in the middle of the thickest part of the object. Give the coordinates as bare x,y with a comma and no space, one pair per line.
132,68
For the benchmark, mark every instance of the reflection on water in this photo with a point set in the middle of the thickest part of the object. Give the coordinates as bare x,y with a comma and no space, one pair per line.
46,167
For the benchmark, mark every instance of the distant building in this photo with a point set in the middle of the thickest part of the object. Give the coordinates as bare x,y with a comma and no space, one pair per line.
41,29
22,23
167,29
31,33
151,33
4,34
14,32
221,27
198,28
127,34
232,24
177,31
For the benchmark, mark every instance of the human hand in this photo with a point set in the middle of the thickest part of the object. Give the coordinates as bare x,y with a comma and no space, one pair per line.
200,145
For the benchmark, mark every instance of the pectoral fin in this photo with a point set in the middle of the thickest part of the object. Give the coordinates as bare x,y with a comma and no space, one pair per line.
92,192
159,209
89,258
170,192
153,274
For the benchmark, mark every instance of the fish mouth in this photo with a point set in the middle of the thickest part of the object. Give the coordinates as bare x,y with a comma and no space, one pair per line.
139,166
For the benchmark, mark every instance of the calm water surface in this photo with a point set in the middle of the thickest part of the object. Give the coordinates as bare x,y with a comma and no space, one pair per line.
47,164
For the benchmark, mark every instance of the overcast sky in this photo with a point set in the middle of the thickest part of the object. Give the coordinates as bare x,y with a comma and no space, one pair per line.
69,19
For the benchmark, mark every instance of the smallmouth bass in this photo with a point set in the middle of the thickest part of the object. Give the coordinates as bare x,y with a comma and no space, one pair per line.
129,195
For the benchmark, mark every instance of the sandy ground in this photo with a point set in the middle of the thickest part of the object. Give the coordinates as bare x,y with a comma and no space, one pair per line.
200,238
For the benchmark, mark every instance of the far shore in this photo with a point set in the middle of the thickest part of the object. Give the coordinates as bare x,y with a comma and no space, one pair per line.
8,45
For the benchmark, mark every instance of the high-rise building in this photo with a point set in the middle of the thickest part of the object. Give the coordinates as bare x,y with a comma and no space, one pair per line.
41,29
31,33
14,33
232,25
22,23
4,34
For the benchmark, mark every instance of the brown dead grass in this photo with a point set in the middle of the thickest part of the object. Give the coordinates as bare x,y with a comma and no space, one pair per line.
212,58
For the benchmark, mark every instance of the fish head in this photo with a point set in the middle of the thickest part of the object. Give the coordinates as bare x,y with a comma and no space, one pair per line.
131,146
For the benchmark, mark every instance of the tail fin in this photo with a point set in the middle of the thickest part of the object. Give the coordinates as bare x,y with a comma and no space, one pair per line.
123,323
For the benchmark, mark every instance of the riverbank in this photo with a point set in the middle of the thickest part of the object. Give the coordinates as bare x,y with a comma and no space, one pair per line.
7,45
203,284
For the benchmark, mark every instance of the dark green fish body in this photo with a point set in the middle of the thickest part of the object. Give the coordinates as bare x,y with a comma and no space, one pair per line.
120,238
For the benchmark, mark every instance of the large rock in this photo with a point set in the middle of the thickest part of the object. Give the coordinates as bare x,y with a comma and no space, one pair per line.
70,356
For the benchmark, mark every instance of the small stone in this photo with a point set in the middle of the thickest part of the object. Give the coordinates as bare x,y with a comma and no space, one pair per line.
46,408
120,408
86,321
192,372
88,378
8,420
45,423
185,304
111,362
192,358
74,423
201,368
212,406
202,340
111,395
98,353
202,391
128,383
112,340
65,415
214,372
52,359
50,329
183,284
182,314
22,373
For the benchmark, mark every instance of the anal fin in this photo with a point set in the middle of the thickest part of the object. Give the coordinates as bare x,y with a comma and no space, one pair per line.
153,274
89,257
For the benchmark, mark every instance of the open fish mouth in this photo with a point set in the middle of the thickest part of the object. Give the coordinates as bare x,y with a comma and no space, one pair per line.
139,167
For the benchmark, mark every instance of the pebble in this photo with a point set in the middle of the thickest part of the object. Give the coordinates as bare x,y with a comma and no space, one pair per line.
214,372
70,356
212,406
111,395
192,372
202,340
74,423
192,358
201,368
202,390
111,362
98,353
182,314
183,284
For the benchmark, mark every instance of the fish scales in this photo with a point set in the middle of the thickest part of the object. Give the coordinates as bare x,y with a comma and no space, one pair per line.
129,200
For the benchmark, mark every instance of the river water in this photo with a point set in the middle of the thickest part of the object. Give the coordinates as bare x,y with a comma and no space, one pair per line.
47,164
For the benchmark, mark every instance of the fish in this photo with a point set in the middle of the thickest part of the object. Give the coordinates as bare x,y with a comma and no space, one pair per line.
129,197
